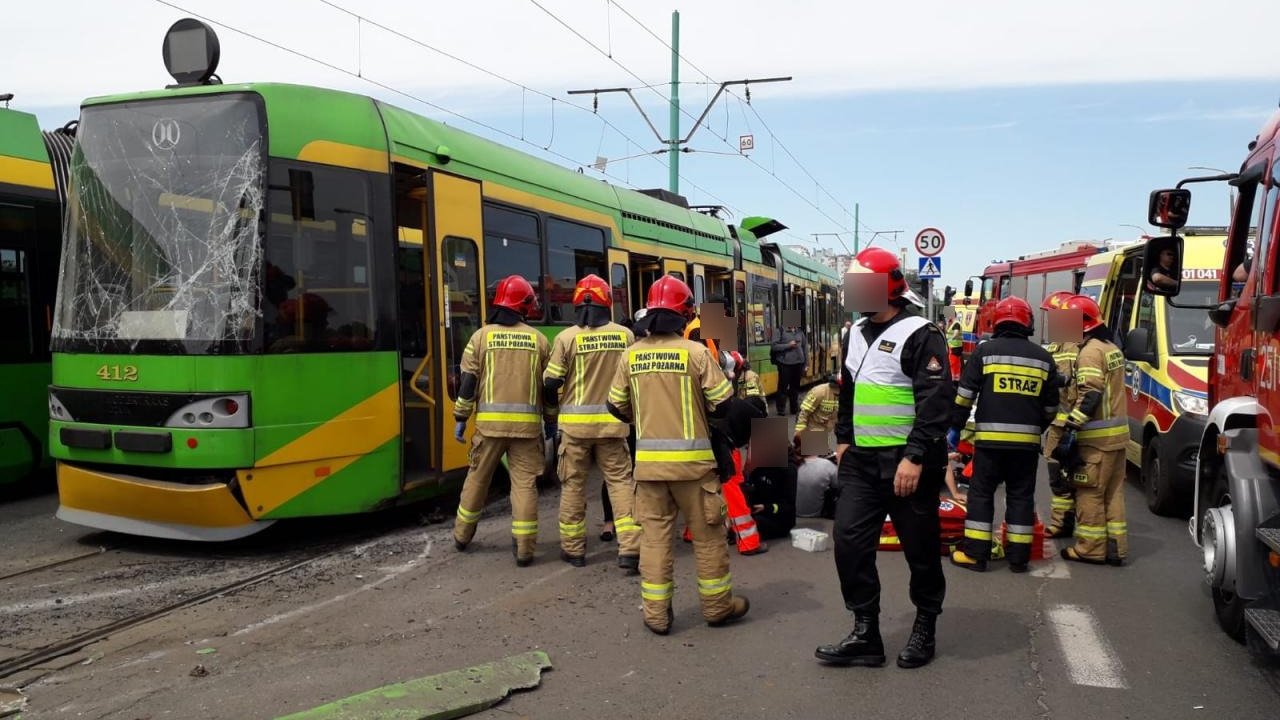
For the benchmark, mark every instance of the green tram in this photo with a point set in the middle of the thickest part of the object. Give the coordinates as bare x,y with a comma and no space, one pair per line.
266,290
33,171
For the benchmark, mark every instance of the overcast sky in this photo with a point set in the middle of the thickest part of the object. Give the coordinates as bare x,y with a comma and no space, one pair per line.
1013,126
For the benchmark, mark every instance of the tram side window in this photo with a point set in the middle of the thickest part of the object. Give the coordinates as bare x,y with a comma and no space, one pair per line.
317,274
573,251
512,246
15,301
461,275
621,299
762,313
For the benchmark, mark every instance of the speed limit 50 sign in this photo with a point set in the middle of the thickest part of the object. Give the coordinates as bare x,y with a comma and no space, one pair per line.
930,242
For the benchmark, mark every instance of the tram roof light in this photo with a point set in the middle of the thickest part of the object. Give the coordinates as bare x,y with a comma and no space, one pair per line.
191,52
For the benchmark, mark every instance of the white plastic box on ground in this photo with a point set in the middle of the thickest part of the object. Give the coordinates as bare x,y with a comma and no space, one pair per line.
809,540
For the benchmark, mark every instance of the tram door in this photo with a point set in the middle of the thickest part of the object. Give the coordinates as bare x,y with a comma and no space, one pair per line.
449,304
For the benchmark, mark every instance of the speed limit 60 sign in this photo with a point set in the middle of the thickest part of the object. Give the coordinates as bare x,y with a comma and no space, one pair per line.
930,241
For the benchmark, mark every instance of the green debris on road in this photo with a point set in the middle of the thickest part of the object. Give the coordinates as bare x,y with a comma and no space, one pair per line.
453,694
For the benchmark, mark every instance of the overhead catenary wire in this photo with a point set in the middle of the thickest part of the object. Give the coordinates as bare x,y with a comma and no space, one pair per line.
772,135
524,88
724,140
359,75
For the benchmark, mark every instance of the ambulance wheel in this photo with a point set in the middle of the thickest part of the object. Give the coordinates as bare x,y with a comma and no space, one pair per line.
1163,497
1227,605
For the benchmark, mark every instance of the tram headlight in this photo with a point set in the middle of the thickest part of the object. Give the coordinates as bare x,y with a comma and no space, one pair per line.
58,411
227,411
1188,403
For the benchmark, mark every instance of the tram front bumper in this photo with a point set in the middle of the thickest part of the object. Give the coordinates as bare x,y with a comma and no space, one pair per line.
136,506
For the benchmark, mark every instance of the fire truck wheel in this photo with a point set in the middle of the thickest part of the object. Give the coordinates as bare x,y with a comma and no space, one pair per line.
1163,497
1228,606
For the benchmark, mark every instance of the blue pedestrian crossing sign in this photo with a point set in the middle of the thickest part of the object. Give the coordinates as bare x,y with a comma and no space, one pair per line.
930,268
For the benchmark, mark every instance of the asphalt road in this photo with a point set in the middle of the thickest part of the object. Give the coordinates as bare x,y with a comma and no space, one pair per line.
1066,642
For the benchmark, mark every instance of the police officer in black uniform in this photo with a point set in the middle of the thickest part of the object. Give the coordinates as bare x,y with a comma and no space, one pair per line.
895,397
1015,384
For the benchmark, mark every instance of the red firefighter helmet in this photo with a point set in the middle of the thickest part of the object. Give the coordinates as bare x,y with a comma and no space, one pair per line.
1057,300
670,293
1013,309
515,293
593,290
738,361
1091,316
878,260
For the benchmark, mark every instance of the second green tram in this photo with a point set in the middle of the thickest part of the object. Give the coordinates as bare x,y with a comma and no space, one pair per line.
33,173
266,290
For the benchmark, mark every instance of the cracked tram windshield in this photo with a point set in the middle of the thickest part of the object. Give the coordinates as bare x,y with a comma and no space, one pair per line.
163,227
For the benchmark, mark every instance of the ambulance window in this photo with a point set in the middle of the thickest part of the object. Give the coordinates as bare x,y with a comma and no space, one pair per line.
1147,319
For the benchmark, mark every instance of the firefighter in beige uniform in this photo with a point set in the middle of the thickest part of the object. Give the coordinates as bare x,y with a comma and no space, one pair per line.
818,411
668,386
502,369
584,358
1062,520
1100,427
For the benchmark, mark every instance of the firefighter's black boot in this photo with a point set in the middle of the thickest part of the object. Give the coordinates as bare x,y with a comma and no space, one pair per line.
920,646
863,646
630,563
1113,554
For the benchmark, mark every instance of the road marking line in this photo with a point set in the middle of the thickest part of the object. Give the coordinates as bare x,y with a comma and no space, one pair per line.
1089,657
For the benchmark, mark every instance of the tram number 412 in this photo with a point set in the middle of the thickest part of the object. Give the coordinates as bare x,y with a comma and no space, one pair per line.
119,373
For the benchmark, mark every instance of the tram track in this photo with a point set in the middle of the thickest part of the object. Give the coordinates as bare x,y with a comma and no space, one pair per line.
78,641
102,550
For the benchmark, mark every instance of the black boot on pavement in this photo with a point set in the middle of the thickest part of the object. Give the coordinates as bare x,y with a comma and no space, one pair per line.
863,647
515,553
1113,554
760,549
630,563
920,646
574,560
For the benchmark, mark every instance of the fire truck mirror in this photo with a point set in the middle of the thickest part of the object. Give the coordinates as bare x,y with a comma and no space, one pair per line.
1169,208
968,288
1162,266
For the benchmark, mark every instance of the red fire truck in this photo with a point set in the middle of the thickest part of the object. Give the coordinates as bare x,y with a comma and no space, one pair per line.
1033,277
1237,494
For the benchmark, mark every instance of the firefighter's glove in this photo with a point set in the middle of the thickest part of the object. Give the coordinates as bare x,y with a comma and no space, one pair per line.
953,439
460,430
1063,452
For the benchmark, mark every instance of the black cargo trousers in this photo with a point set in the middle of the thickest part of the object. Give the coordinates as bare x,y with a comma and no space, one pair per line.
866,496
